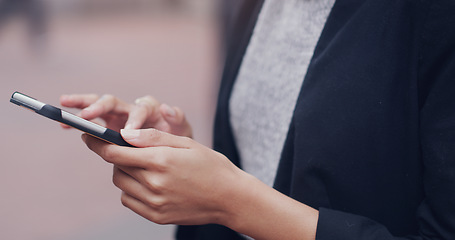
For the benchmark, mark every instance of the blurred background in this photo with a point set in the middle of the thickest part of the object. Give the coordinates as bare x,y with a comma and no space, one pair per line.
52,187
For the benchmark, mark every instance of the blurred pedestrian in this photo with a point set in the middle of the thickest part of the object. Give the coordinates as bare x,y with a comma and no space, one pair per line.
34,13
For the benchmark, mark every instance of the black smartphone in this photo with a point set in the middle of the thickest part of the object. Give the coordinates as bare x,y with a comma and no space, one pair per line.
69,119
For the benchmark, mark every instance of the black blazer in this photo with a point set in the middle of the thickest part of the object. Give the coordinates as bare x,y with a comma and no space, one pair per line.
372,140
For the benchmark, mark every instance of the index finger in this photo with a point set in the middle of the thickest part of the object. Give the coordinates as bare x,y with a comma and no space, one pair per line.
105,105
78,100
144,108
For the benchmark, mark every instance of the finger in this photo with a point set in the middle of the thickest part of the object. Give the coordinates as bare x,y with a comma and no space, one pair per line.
171,114
105,105
151,137
118,155
132,187
145,108
150,180
176,119
152,214
78,100
126,183
139,174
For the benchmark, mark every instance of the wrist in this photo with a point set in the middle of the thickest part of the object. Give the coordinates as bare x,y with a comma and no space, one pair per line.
257,210
234,199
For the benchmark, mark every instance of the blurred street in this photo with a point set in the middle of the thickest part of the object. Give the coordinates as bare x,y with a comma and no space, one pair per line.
53,187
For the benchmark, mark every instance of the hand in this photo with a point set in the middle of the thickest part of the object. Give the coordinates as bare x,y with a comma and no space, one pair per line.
174,180
147,112
170,179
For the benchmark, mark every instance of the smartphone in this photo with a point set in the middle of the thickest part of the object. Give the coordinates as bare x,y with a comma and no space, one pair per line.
69,119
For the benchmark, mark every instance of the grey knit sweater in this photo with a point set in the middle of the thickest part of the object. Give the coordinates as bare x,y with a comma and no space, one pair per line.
270,78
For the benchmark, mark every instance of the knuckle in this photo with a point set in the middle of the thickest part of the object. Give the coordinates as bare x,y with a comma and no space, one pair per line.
124,200
154,135
116,180
161,220
155,184
108,154
146,105
151,99
157,204
146,101
161,162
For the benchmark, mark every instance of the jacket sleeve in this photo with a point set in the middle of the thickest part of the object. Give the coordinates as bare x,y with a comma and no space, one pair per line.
436,73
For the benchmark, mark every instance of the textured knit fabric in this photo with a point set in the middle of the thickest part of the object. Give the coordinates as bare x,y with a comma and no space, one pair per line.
270,79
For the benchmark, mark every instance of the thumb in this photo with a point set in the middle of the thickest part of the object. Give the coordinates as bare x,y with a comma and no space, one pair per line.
154,138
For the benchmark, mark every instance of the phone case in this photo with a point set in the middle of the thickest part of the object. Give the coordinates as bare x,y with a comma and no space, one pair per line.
69,119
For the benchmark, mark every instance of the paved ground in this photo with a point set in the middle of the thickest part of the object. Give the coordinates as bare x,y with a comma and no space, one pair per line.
52,186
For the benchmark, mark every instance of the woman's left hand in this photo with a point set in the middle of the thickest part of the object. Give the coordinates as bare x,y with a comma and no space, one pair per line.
171,179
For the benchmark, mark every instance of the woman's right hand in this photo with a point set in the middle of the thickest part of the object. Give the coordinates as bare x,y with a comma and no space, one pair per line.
146,112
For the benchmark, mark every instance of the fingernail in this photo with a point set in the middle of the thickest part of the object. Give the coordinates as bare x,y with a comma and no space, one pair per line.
86,112
88,109
130,133
137,101
169,111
